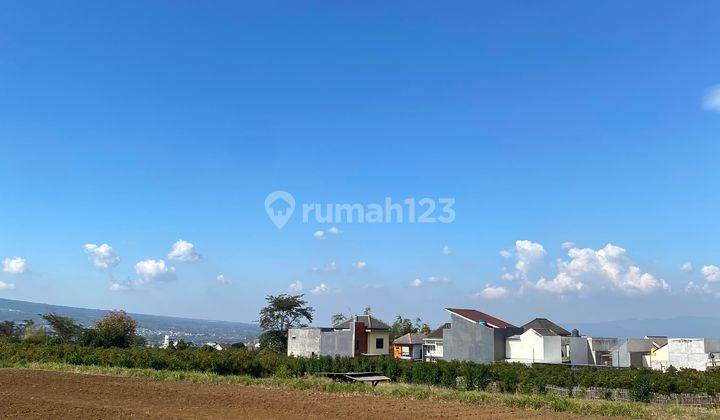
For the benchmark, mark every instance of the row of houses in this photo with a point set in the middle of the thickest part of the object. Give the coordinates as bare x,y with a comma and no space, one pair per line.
475,336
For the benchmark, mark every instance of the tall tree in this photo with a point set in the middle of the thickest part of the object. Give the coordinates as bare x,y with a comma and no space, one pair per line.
337,318
8,329
64,328
367,310
284,312
116,329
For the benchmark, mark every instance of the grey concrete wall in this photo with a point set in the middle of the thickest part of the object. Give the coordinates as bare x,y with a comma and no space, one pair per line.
304,342
336,343
580,351
469,341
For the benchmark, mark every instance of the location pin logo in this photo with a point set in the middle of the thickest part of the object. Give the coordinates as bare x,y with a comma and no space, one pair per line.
279,206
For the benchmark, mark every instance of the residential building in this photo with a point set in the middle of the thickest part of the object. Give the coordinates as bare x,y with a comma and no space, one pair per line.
475,336
433,344
409,346
361,335
686,353
635,352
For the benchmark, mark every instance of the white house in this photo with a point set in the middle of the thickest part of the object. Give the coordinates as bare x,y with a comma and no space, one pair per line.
688,353
433,344
540,345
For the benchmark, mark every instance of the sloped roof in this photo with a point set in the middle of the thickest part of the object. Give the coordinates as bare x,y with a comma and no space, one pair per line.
370,322
545,332
477,316
438,332
410,338
546,324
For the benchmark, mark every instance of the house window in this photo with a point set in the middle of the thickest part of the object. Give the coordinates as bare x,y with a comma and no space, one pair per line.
379,343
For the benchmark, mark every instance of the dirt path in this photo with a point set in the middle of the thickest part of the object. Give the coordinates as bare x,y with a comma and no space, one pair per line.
42,394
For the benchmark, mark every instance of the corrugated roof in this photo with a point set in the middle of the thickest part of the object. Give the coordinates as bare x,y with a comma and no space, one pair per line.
370,323
438,332
546,332
477,316
410,338
545,323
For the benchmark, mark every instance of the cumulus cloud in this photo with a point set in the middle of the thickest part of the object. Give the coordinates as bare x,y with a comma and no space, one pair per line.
507,277
222,279
492,292
6,286
711,100
416,283
319,234
567,245
119,287
687,267
102,256
15,265
526,254
359,265
320,289
153,270
295,287
183,251
697,289
711,272
446,250
607,268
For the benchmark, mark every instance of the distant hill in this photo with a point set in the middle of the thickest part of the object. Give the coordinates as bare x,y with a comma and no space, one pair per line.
683,326
152,327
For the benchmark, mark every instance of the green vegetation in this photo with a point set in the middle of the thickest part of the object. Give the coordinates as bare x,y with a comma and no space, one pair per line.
510,378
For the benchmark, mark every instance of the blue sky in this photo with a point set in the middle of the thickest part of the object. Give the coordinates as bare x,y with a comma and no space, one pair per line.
139,124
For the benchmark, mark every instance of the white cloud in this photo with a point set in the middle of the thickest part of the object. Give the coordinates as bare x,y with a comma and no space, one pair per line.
493,292
119,287
446,250
6,286
430,280
567,245
102,256
526,253
687,267
324,234
15,265
696,289
711,100
222,279
359,265
711,272
416,283
331,266
295,287
321,289
607,268
507,277
153,270
184,251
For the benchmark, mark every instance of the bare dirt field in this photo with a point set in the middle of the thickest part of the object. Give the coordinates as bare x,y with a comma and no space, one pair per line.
43,394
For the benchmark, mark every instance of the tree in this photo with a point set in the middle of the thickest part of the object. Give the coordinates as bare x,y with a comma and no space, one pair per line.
238,345
66,330
116,329
337,318
274,340
284,312
8,329
367,310
402,326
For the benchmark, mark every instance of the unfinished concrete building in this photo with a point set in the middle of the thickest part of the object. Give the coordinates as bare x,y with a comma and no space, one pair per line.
475,336
361,335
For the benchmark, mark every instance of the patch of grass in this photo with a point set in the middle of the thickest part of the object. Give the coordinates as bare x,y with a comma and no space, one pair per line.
419,392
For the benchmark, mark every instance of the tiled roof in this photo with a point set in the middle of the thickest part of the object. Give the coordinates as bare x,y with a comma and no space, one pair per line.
538,323
410,338
478,316
438,332
370,323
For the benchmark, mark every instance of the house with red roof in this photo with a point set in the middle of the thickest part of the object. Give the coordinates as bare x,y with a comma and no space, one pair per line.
476,336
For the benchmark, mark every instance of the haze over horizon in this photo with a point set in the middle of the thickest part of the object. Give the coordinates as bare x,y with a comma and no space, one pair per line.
579,145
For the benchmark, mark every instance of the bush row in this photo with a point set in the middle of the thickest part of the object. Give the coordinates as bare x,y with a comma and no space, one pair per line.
510,377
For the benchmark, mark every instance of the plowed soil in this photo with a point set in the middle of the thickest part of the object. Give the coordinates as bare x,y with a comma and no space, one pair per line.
43,394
